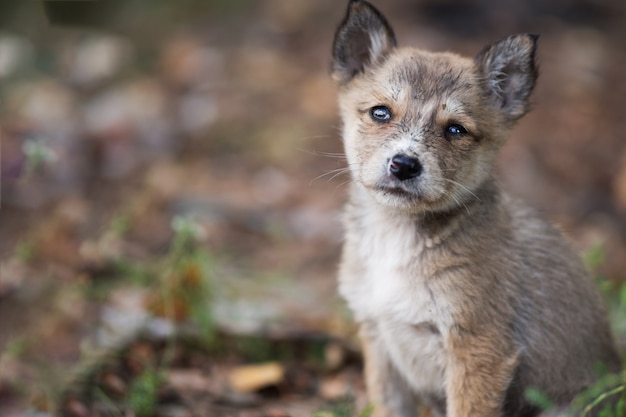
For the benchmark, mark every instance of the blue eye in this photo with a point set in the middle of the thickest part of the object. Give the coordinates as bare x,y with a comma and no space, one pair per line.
455,130
380,114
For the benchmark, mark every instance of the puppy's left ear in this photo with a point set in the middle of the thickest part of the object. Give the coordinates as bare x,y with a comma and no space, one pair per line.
509,72
363,38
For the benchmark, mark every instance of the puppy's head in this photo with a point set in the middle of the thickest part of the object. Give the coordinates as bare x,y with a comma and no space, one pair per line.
422,129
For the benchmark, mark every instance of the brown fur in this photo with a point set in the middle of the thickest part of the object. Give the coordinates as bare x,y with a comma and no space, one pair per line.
464,296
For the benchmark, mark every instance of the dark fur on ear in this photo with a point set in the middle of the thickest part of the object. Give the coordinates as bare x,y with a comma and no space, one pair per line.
509,71
363,38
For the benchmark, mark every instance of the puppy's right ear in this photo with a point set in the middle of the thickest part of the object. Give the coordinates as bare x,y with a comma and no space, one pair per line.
363,38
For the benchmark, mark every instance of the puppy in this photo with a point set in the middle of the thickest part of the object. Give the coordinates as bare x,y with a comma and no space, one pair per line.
465,297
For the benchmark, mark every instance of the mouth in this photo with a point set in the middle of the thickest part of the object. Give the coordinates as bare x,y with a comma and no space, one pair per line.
395,191
390,191
410,195
402,194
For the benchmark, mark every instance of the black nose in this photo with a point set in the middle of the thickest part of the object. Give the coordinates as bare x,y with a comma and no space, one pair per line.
404,167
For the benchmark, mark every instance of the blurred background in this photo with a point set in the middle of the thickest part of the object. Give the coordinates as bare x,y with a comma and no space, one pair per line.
194,144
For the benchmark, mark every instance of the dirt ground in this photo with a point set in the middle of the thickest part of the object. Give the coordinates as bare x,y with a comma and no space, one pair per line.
152,148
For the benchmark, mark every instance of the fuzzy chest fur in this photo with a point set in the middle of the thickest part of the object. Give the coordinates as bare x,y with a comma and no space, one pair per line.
392,292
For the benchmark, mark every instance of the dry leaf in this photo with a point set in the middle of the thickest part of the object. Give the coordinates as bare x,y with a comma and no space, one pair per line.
250,378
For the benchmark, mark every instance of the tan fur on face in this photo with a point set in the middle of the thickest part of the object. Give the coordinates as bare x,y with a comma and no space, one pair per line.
425,92
465,297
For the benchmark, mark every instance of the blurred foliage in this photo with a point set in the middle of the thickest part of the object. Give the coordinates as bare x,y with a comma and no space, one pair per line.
538,398
179,285
26,251
594,257
606,398
180,281
37,155
123,15
142,396
345,408
614,292
15,347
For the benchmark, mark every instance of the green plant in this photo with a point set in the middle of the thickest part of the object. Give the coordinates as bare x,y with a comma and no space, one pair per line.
143,393
345,408
180,282
188,278
608,410
120,224
26,250
38,154
538,398
179,289
141,397
135,272
594,257
15,347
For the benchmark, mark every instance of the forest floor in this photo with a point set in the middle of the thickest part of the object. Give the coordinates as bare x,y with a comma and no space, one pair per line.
172,187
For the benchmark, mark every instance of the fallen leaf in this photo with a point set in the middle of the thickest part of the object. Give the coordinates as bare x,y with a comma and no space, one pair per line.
250,378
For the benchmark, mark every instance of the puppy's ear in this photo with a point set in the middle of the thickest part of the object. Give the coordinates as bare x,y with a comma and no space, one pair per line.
363,38
509,73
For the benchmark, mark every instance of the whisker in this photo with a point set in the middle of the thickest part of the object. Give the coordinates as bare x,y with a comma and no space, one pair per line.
463,187
460,202
335,173
339,172
333,155
317,153
343,184
322,136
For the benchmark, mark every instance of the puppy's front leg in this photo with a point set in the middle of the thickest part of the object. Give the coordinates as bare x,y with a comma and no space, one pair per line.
480,373
387,391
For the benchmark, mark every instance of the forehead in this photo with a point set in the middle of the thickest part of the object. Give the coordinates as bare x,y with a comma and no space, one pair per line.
424,75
